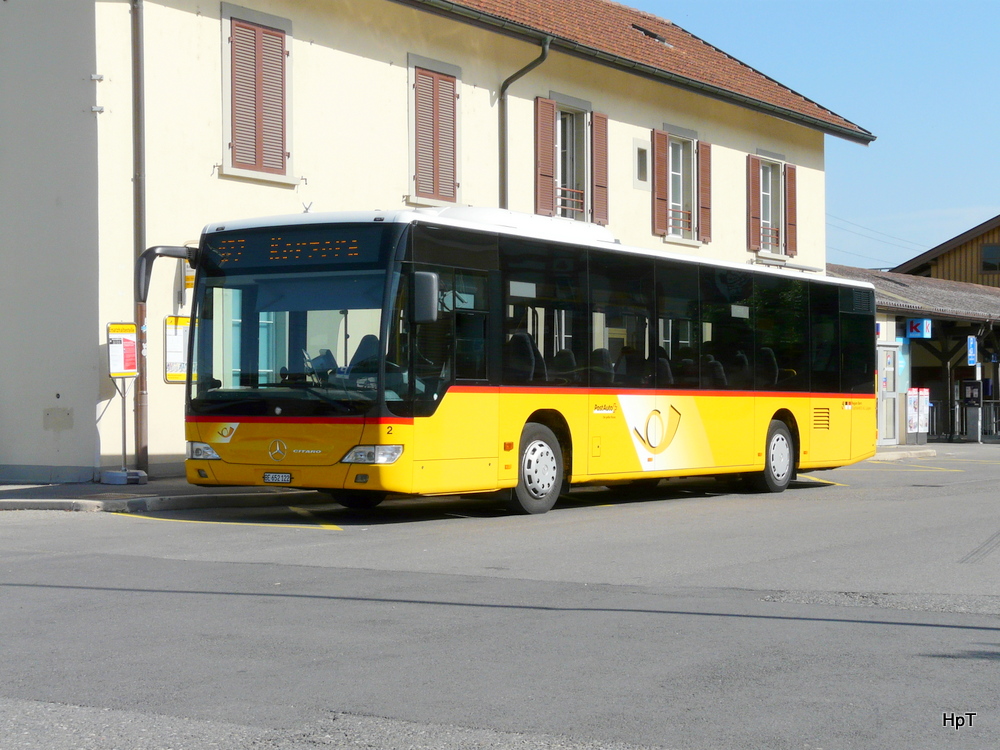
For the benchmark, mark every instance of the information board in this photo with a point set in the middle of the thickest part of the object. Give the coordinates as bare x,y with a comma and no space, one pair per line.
123,359
175,338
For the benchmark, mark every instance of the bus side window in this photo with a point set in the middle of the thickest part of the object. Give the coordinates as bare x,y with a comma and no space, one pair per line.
544,309
471,325
727,326
621,307
677,326
781,314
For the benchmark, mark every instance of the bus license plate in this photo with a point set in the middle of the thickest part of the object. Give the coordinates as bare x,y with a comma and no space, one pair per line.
271,477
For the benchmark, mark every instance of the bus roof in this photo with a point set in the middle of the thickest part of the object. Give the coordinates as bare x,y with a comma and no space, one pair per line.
511,223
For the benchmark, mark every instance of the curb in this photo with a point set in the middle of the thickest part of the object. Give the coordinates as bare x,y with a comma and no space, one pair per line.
154,503
898,455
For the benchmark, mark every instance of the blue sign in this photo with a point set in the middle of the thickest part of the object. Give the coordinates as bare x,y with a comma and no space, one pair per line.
918,328
972,347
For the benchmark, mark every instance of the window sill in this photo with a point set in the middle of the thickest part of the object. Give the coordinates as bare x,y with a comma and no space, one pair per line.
772,256
422,202
235,173
683,241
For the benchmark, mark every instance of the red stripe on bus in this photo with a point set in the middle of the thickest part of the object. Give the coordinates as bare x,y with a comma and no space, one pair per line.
302,420
563,391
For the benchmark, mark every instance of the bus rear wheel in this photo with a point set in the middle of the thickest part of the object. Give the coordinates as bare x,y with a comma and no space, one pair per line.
779,460
540,470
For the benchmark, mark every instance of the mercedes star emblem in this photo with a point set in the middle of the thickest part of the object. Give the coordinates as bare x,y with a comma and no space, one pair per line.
278,450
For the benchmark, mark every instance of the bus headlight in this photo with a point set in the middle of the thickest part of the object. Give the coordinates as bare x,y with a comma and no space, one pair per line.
373,454
202,452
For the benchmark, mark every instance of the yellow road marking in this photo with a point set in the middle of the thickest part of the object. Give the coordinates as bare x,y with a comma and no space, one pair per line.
313,517
822,481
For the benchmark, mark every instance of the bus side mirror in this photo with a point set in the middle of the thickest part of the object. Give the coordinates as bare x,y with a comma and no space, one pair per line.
425,297
144,265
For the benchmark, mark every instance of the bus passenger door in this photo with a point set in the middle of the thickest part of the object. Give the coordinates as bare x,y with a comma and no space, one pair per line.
455,445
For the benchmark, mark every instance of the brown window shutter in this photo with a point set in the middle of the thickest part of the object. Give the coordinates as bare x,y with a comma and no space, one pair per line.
435,131
599,168
705,192
661,183
791,210
753,203
545,157
258,103
272,101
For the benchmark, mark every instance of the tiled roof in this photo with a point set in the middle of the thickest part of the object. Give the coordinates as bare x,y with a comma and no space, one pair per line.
922,295
625,37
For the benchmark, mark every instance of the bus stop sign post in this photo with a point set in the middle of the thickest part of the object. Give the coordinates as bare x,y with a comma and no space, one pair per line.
972,394
123,367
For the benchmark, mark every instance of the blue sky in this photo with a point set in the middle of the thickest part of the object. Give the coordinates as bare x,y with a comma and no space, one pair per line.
922,76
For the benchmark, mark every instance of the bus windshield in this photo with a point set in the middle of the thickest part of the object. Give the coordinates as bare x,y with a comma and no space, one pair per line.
287,321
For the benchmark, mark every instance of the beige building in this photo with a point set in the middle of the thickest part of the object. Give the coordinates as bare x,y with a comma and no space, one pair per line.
132,123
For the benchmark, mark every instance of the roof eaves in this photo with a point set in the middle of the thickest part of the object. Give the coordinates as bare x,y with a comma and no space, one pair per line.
976,307
449,8
936,252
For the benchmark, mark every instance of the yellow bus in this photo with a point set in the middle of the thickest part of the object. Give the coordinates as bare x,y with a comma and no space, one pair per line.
459,350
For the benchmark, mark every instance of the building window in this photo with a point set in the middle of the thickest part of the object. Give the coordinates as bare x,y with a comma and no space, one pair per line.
770,207
434,131
771,203
256,69
991,258
680,222
435,96
641,166
258,98
571,171
571,161
682,187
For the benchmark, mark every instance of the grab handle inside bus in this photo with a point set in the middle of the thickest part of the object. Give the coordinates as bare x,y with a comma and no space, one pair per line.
425,297
144,265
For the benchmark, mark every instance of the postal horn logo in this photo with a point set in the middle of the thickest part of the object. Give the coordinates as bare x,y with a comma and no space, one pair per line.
277,450
659,432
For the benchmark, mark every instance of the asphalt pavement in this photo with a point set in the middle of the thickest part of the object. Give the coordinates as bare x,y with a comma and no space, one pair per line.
175,493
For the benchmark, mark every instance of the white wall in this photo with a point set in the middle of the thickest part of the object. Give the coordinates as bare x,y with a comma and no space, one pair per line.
48,212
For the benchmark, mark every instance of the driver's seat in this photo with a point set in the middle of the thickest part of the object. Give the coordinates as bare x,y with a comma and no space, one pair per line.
366,354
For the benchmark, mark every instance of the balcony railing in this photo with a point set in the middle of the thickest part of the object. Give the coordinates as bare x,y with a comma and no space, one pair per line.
569,202
770,239
681,222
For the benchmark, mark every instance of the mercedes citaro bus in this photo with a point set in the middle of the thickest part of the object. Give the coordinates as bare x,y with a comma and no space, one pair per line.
459,350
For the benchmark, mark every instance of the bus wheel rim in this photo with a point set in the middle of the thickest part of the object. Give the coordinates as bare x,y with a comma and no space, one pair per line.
539,468
780,456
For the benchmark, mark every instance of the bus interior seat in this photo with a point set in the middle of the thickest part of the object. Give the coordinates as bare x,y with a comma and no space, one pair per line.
601,370
521,358
563,365
630,367
664,375
367,353
713,374
767,367
740,372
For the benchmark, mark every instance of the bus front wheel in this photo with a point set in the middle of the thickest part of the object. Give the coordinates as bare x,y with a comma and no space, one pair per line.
540,470
779,460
